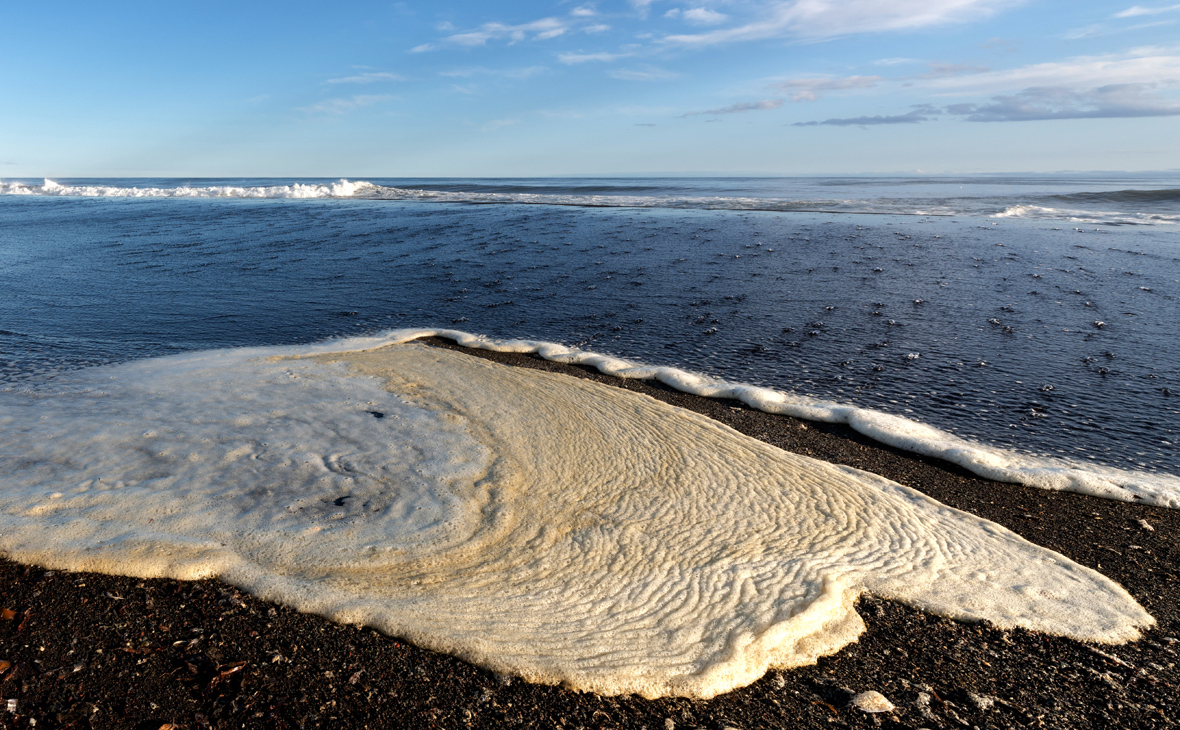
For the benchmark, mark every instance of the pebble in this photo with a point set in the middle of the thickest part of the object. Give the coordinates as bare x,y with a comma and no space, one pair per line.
1146,526
983,703
871,702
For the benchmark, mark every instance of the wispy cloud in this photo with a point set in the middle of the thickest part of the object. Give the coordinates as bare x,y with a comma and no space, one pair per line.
810,89
1000,45
829,18
583,18
1115,101
704,16
748,106
1141,66
367,78
919,114
524,72
602,56
345,105
1139,83
895,61
1135,11
1099,30
542,29
946,70
643,73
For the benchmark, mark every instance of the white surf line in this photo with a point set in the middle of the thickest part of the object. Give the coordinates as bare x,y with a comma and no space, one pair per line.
1160,490
364,190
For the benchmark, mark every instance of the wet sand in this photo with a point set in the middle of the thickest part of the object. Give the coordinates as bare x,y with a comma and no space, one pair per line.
87,650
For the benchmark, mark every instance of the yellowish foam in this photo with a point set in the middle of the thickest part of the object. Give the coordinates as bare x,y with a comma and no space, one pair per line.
536,524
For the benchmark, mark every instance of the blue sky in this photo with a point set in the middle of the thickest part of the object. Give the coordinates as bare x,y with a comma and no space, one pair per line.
543,87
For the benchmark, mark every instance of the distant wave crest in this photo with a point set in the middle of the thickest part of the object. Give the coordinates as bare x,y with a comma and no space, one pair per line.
1097,217
340,189
1136,207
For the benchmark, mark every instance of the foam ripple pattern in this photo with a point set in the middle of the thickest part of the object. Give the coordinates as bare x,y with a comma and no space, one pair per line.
545,526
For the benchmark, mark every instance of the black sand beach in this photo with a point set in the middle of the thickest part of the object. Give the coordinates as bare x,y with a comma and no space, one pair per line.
83,650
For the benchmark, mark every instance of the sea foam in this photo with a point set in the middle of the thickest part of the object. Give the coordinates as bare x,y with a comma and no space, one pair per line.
545,526
1161,490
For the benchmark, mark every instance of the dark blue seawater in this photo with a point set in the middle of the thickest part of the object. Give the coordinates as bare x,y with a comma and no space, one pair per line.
1038,314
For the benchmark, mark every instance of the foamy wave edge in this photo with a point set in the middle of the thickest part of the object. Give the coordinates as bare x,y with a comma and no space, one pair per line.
364,190
1160,490
1038,212
340,189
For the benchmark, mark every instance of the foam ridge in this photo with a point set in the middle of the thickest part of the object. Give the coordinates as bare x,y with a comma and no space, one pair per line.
1160,490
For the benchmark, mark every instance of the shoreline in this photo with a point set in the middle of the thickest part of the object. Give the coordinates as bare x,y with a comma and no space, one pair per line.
104,651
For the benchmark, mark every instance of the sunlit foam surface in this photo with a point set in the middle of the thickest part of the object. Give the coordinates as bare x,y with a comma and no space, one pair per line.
545,526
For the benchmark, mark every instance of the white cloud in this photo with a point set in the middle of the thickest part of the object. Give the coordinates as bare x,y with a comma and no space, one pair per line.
1140,83
643,73
747,106
596,28
895,61
810,89
368,78
828,18
583,12
1145,66
542,29
704,16
574,58
507,73
343,106
1136,10
1098,31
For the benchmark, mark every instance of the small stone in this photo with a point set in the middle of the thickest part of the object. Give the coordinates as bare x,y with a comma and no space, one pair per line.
669,724
871,702
983,703
7,614
1146,526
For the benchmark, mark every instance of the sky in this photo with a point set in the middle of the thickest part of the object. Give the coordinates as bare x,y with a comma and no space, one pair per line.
548,87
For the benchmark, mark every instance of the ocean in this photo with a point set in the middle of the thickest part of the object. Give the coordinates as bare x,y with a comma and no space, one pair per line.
1034,314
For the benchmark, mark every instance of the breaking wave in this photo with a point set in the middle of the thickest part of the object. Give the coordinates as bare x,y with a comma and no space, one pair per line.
1096,217
1135,207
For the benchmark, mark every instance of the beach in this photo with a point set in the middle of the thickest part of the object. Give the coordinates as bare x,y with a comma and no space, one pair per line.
89,650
